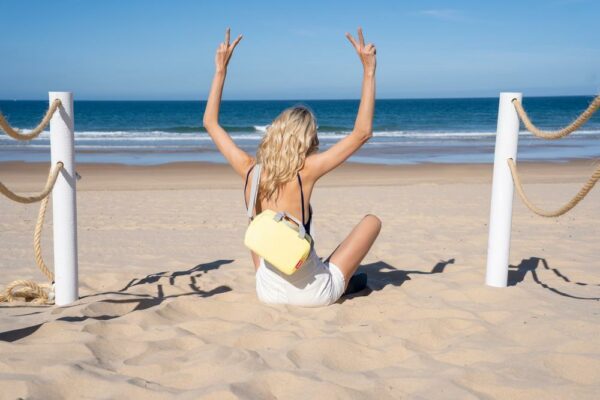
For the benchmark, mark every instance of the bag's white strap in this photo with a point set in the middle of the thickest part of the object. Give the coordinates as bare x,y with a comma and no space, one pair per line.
254,189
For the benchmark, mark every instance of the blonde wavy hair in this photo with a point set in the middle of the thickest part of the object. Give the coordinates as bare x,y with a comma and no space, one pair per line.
290,138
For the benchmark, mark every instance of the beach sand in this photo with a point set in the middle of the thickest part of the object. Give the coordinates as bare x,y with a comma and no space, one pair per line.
168,306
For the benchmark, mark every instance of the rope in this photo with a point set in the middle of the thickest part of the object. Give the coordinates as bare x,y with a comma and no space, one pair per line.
585,189
37,241
52,176
551,135
16,134
27,290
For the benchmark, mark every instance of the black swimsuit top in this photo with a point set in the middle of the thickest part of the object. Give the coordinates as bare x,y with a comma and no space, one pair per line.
307,224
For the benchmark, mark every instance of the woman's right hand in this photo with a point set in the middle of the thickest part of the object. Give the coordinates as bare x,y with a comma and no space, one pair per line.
225,51
365,52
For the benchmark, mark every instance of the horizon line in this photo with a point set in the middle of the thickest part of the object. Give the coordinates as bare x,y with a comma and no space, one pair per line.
320,99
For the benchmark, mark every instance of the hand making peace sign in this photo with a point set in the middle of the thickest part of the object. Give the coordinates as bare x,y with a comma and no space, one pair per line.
365,52
225,51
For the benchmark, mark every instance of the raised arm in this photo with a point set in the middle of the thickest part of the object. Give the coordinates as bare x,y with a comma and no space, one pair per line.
239,159
321,163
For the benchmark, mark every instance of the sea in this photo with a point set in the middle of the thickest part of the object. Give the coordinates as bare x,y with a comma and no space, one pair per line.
406,131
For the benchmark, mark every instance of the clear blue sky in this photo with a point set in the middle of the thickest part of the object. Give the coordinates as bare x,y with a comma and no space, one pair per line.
143,49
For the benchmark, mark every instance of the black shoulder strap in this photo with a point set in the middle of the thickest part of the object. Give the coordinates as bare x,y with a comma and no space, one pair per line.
246,185
301,198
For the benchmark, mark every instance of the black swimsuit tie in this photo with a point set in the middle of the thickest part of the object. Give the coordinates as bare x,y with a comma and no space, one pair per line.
307,224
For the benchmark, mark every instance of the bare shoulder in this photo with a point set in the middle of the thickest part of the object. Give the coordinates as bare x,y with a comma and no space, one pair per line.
311,169
247,167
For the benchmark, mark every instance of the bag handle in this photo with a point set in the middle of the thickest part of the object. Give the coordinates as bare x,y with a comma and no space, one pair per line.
254,190
301,229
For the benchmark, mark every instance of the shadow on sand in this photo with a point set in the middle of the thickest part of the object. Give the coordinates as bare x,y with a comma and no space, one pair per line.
139,301
517,274
381,274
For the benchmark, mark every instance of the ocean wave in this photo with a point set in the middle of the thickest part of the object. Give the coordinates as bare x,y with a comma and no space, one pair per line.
257,134
201,129
238,128
260,128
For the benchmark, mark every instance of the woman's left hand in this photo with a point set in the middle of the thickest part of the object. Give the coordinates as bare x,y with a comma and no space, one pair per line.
225,51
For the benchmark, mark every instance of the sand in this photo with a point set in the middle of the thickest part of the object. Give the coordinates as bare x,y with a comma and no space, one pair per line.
168,307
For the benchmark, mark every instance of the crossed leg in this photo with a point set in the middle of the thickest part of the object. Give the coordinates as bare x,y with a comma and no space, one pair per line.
348,255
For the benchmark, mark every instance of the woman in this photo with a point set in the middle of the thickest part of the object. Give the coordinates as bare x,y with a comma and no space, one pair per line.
291,166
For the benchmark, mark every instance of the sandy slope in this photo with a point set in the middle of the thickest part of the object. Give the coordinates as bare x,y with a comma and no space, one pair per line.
168,306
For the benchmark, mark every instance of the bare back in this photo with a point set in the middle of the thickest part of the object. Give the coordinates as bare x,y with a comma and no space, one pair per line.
289,198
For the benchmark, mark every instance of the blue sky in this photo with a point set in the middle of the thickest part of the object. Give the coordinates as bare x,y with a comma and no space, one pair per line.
138,49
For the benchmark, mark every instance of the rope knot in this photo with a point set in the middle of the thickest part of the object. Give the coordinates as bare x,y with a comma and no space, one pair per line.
28,291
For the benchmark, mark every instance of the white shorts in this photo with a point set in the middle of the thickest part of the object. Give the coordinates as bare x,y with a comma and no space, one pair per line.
315,284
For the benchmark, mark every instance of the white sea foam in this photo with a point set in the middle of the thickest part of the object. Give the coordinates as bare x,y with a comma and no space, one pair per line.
261,128
163,136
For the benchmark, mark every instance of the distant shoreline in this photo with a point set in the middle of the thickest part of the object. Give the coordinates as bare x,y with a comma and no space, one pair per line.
583,160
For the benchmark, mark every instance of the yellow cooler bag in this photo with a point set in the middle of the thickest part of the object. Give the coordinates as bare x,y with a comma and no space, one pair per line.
277,237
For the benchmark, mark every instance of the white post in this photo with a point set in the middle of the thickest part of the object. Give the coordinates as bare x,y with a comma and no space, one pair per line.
64,206
507,136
